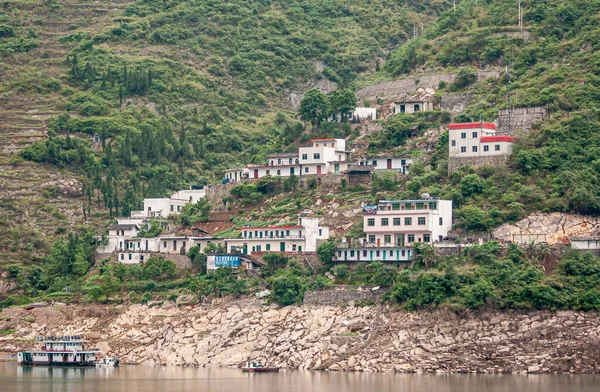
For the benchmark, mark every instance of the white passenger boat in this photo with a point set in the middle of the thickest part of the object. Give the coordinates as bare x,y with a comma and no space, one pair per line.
60,351
107,362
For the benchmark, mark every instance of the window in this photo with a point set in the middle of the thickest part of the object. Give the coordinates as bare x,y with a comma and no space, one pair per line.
410,238
364,253
463,149
474,148
165,244
268,246
396,207
129,256
403,162
261,233
408,206
317,155
268,171
141,257
421,221
278,172
391,253
426,238
171,208
385,221
351,253
122,256
377,253
453,143
320,232
497,147
387,238
304,156
306,170
396,221
420,206
463,135
441,221
287,233
486,148
178,208
474,135
339,253
416,108
372,239
290,161
432,205
245,234
121,245
371,222
279,161
402,108
407,221
374,163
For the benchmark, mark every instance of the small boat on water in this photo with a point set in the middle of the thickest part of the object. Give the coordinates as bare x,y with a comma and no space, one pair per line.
60,351
256,367
107,362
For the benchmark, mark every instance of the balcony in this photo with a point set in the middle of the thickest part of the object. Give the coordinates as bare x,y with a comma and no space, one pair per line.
274,237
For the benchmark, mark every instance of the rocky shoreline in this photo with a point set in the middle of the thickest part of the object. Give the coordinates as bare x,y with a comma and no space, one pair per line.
368,339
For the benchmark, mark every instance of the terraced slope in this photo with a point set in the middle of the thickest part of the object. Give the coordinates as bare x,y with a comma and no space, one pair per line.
39,202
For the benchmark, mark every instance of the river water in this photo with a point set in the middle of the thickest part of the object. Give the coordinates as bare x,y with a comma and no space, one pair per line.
14,378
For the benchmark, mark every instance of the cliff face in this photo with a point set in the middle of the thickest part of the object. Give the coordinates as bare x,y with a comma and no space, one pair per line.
322,337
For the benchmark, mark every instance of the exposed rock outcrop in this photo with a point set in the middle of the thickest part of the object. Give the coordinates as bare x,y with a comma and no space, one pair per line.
552,228
323,337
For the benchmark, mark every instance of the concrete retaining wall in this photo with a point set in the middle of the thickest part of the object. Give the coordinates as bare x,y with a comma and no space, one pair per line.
516,121
454,162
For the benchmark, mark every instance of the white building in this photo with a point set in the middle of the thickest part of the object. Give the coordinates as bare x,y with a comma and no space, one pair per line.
412,106
138,250
117,235
387,163
585,243
305,237
325,156
392,226
472,140
364,114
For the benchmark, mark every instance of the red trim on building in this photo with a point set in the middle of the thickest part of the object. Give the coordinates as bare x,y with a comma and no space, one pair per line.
490,139
472,125
272,227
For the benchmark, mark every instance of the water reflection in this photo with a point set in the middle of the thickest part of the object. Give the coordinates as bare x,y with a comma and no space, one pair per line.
15,378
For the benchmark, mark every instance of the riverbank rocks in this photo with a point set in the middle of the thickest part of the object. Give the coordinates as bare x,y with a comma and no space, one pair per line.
321,337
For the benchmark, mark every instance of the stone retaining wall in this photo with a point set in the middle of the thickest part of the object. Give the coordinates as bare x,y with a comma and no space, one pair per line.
454,163
455,103
516,121
337,297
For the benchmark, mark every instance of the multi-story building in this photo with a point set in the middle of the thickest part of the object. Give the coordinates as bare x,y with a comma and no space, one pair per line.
476,144
393,225
163,207
325,156
304,237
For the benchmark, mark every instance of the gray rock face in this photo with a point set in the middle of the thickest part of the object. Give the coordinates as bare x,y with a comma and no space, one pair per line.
370,338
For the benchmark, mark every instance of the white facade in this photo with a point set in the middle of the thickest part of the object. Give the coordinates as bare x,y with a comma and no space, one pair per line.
399,223
305,237
363,114
470,140
387,163
163,207
412,106
138,250
374,254
585,243
191,195
325,156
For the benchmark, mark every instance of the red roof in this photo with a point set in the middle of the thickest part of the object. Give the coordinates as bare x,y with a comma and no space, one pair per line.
472,125
322,140
272,227
489,139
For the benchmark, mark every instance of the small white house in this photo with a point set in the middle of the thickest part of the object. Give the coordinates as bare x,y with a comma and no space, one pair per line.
472,140
585,243
387,163
364,114
412,106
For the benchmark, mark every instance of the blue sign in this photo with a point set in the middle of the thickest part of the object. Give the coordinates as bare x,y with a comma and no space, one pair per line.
227,261
369,210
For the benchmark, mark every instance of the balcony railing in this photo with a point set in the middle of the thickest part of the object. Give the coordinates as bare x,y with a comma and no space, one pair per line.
274,237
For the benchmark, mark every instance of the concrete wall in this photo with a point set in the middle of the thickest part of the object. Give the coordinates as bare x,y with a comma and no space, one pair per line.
336,297
516,121
455,103
455,162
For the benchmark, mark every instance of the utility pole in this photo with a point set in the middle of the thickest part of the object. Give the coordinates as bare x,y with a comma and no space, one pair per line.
454,2
414,31
520,16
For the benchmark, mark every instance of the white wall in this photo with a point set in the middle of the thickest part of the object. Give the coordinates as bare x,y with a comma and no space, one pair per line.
314,232
163,207
373,254
189,195
409,107
365,113
274,244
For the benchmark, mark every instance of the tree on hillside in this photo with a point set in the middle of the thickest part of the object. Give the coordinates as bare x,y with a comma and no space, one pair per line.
313,107
342,101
